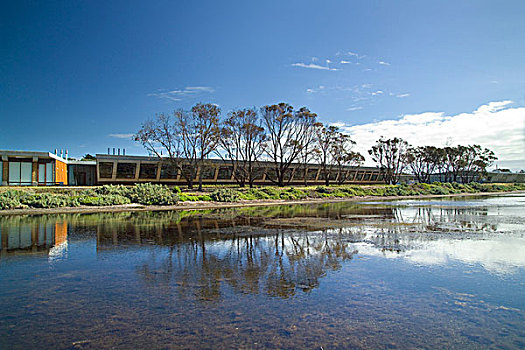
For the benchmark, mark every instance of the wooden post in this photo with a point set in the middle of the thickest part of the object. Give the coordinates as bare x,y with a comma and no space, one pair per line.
5,170
34,172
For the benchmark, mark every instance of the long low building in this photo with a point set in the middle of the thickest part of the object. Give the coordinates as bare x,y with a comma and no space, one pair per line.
26,168
119,169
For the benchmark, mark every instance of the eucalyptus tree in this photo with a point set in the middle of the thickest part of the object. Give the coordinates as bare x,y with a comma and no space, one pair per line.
334,154
286,135
241,141
308,151
324,151
343,156
425,161
187,138
467,163
204,129
391,157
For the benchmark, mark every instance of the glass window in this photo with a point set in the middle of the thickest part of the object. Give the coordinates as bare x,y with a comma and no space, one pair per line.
299,173
14,172
287,174
105,170
258,173
168,171
49,173
312,174
126,170
225,173
208,172
148,171
41,173
26,169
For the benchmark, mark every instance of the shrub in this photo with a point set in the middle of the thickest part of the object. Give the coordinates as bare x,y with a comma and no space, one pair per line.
225,195
188,197
48,200
255,193
111,199
119,190
322,189
11,199
292,194
149,194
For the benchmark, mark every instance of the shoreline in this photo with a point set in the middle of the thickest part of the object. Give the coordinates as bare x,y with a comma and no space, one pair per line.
203,205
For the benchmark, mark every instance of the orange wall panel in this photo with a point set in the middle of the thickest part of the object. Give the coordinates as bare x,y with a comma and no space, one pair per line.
60,172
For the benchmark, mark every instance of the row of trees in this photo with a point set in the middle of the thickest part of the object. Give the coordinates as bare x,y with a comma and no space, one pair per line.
282,136
275,133
449,164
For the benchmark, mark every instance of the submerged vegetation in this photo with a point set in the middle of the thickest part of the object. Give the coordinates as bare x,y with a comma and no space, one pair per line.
152,194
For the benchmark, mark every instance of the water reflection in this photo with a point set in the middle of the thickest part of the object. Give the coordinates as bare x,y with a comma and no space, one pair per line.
275,250
40,235
343,275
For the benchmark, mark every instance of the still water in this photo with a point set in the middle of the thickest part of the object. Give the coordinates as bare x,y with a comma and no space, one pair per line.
440,273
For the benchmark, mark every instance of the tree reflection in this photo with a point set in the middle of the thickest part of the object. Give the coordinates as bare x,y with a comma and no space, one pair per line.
276,264
277,250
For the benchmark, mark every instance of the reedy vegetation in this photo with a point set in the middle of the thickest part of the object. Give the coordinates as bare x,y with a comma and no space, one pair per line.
150,194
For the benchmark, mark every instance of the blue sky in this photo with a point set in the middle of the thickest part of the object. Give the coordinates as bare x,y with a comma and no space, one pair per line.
83,75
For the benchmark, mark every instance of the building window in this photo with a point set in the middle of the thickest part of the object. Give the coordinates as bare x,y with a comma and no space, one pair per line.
208,172
126,170
312,174
148,171
20,173
105,170
225,173
168,171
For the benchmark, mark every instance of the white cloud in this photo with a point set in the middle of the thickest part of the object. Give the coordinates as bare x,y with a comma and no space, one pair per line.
355,54
494,125
384,63
121,136
345,62
355,108
328,61
180,94
312,66
378,92
402,95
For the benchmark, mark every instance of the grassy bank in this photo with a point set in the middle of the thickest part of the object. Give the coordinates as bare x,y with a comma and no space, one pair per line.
149,194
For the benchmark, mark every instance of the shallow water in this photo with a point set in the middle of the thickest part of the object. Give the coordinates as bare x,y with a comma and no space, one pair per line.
440,273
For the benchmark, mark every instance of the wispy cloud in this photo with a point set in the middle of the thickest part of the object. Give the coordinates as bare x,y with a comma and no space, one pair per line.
378,92
354,108
180,94
402,95
355,54
495,125
313,66
383,63
121,136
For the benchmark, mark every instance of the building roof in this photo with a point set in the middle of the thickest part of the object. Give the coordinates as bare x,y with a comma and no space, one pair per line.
30,154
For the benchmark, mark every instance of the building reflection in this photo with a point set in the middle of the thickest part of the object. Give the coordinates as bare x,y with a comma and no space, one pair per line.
21,235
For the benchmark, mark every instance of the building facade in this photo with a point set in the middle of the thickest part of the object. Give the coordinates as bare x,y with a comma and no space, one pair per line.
21,168
115,169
